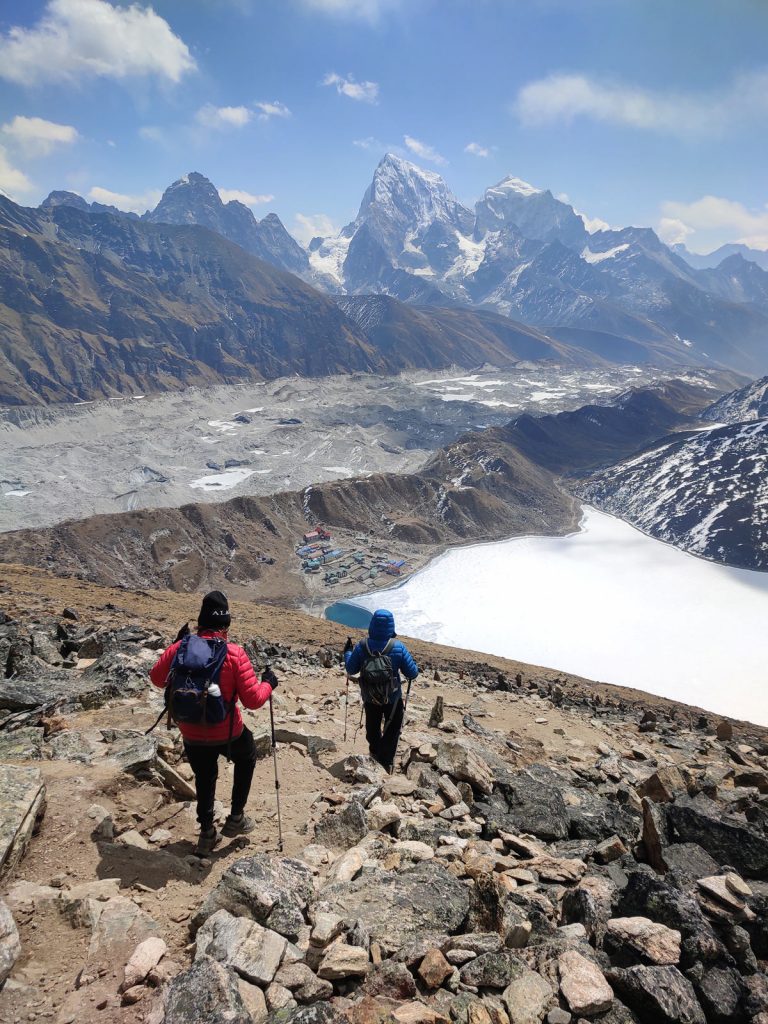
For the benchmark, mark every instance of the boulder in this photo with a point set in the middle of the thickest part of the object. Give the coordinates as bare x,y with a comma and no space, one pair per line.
144,958
460,761
271,891
721,993
343,961
583,985
490,970
381,815
395,908
534,807
434,969
658,994
21,745
727,838
663,786
325,928
22,805
252,951
391,979
527,997
687,862
303,983
348,865
648,896
644,940
70,745
10,944
338,830
207,993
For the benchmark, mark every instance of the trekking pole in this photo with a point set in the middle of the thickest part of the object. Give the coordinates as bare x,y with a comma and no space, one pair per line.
402,725
346,709
277,779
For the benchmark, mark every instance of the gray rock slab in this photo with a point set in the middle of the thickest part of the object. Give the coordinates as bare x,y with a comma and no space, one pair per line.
22,805
396,908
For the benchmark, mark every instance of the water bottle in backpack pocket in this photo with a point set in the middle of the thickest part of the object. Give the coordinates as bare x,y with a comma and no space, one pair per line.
193,695
378,682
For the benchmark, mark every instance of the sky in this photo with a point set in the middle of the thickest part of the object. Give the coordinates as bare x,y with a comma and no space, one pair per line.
646,112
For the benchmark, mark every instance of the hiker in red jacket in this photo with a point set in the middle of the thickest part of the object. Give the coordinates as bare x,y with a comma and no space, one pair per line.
203,743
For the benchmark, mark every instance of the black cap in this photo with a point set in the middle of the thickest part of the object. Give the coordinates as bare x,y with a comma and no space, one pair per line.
214,612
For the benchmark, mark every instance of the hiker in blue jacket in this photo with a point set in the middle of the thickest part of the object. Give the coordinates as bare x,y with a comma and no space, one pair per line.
383,721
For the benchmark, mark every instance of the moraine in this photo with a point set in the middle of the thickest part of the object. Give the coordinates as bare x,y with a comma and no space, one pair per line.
608,603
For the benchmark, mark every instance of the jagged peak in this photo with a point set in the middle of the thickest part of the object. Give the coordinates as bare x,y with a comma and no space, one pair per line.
391,162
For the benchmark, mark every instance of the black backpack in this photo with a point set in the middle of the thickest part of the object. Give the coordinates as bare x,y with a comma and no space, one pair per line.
195,669
378,681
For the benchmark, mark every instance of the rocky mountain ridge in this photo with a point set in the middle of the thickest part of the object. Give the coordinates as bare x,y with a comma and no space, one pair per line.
547,850
98,305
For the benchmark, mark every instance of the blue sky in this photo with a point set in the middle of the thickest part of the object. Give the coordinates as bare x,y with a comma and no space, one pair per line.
639,111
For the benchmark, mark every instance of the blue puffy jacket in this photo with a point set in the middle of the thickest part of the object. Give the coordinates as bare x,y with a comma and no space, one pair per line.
381,628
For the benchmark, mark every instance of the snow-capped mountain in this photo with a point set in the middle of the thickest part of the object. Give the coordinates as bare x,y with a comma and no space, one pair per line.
742,406
533,211
705,492
622,294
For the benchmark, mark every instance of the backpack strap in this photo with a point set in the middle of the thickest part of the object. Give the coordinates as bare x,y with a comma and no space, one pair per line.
386,649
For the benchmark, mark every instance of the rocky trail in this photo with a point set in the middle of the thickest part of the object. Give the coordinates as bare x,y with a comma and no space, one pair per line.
548,849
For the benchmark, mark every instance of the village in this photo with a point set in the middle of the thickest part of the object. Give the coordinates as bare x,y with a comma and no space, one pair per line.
338,565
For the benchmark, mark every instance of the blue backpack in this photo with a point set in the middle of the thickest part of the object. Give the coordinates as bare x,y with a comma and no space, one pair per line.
195,670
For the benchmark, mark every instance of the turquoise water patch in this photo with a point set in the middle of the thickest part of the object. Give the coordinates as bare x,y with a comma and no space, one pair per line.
351,615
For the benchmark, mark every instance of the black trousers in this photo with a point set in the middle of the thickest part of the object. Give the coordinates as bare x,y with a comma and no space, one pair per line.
382,729
204,762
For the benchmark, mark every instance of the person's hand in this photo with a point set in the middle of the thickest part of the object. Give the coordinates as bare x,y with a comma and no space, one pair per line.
268,676
348,646
184,631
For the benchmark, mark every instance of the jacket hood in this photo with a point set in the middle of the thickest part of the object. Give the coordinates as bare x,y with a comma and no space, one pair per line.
381,628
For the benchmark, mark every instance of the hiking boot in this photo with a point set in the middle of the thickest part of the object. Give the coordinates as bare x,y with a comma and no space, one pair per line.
238,825
206,842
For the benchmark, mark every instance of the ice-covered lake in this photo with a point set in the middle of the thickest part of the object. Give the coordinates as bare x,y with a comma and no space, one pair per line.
608,603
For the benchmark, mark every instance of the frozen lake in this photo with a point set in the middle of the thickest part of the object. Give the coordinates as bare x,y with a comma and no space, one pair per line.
608,603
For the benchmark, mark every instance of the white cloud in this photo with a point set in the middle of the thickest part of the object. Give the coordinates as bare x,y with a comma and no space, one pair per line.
715,220
307,226
152,133
210,116
37,137
13,182
673,231
368,143
593,224
563,98
476,149
363,92
423,151
76,39
229,194
370,10
273,109
130,204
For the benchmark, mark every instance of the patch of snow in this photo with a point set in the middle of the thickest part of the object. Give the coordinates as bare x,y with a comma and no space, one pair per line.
16,494
223,481
598,257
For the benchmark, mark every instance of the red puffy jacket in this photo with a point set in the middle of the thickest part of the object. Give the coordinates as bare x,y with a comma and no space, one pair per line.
237,680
